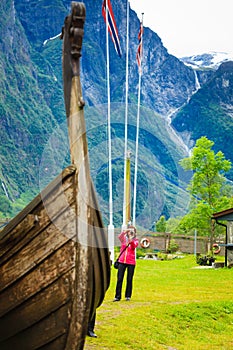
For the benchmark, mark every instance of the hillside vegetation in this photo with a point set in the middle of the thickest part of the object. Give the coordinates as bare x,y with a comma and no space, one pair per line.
34,145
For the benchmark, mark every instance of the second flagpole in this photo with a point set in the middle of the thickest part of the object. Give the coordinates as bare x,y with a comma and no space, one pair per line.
140,50
110,226
124,224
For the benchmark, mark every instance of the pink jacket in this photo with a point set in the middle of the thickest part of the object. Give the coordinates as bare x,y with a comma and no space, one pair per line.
129,255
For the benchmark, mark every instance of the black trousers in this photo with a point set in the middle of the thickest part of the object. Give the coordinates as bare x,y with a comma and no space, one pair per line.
91,323
129,282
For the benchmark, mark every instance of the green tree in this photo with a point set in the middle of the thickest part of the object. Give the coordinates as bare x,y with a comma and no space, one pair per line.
5,207
173,225
161,224
208,187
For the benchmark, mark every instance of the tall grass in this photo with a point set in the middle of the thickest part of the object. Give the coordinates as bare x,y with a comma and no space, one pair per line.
175,305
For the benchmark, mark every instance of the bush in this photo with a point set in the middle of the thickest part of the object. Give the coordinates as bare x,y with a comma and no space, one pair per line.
173,246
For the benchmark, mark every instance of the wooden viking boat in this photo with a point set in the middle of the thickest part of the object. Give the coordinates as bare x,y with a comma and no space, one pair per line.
54,256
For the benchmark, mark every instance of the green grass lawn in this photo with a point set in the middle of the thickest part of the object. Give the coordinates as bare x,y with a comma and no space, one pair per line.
175,305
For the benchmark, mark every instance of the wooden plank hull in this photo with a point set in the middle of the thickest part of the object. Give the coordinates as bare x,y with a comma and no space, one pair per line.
39,269
54,257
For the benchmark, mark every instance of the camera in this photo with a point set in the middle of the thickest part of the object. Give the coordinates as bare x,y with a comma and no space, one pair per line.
131,233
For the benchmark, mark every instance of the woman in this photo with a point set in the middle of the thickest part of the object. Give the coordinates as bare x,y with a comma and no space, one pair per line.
127,260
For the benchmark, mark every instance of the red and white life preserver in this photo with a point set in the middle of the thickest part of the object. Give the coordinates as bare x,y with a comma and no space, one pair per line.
216,248
145,243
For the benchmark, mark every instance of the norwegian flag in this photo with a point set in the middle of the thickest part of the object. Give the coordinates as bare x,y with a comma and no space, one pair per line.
112,28
139,51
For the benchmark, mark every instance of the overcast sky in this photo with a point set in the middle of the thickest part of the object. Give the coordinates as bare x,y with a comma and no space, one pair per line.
189,27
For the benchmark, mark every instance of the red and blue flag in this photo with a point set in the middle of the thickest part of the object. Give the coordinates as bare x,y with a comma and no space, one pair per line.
139,51
112,28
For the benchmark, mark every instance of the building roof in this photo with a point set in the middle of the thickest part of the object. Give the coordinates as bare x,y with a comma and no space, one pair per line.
224,215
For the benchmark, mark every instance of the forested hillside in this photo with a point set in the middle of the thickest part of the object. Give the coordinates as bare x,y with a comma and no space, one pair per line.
34,145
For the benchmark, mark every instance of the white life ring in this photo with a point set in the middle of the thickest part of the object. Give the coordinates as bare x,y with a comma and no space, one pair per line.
216,248
145,243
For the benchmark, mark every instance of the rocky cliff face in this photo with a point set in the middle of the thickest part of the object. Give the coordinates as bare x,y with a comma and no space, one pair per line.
167,83
31,94
209,112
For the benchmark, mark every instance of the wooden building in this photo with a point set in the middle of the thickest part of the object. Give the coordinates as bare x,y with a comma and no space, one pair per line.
225,219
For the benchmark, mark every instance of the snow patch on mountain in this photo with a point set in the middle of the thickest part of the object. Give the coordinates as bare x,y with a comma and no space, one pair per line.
211,60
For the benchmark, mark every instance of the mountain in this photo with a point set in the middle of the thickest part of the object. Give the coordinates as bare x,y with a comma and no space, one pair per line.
27,118
209,113
210,60
34,145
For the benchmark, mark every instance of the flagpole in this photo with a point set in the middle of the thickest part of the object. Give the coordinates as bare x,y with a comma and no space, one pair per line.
110,226
128,182
137,133
124,224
